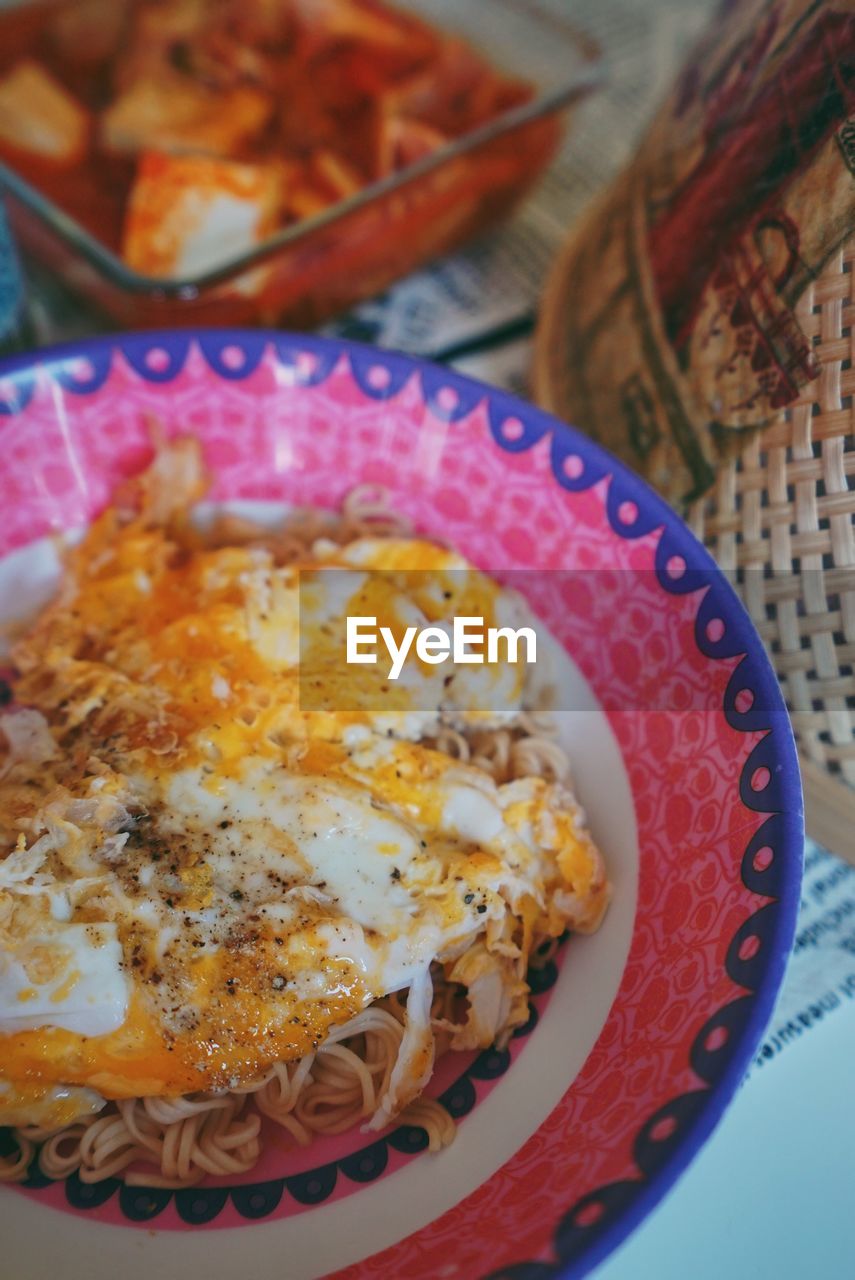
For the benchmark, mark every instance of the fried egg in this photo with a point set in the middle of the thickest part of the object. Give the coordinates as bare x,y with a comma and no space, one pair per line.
203,875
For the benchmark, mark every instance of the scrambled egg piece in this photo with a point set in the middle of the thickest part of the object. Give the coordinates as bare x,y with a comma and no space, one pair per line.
202,876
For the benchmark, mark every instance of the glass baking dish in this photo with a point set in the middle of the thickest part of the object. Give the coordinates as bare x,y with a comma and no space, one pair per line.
307,272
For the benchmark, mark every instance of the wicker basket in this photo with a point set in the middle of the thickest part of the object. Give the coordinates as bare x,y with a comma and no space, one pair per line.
710,285
780,521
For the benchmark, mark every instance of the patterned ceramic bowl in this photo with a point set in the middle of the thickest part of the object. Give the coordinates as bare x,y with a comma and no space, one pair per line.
638,1035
